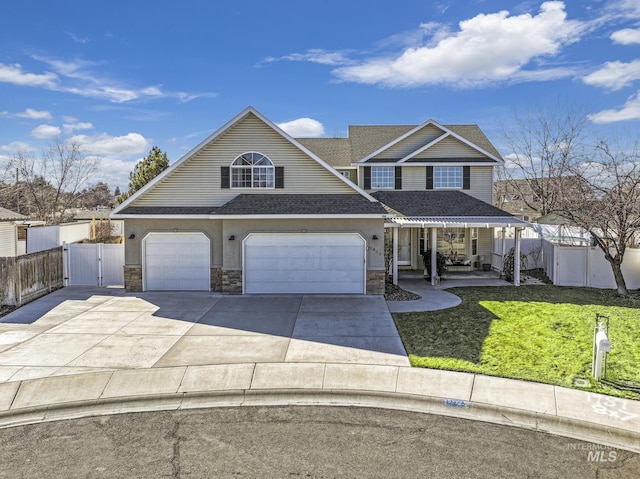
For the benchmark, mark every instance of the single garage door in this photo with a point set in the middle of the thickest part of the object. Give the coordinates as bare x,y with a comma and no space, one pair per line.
177,261
304,263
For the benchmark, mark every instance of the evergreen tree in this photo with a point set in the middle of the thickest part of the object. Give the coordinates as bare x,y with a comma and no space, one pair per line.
146,170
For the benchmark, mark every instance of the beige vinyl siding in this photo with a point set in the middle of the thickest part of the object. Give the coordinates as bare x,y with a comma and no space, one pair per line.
481,183
196,182
449,147
7,239
412,143
414,178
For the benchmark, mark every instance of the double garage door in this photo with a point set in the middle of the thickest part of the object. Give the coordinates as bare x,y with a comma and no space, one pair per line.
273,263
304,263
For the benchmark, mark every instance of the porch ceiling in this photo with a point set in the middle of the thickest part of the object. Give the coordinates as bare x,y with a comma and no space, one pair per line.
456,221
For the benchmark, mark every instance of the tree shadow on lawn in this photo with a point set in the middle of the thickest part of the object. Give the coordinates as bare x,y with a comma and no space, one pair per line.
457,333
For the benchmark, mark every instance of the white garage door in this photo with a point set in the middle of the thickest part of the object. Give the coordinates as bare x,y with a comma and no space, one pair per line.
304,263
177,261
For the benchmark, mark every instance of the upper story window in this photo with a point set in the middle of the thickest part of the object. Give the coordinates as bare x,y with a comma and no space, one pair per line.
252,170
382,177
447,177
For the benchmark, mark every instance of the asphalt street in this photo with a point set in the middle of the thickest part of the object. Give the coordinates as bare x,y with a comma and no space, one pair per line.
294,441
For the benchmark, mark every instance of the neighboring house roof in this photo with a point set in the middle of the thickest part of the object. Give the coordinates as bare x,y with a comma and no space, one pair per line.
8,215
443,206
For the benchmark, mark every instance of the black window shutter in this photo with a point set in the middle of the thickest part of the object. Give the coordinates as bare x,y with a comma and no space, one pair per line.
398,178
466,177
429,177
279,177
224,177
367,177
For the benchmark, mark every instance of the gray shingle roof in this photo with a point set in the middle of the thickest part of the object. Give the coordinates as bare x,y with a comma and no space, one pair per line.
169,210
437,203
272,204
312,204
365,139
335,151
8,215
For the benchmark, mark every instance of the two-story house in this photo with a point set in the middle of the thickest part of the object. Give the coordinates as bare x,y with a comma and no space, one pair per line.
253,210
436,181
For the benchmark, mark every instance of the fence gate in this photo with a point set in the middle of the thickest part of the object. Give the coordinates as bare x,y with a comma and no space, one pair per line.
93,264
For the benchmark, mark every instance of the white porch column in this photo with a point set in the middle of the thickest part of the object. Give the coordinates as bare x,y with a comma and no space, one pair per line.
395,256
516,258
504,247
433,240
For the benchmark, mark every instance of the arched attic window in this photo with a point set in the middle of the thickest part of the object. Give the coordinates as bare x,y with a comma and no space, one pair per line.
252,170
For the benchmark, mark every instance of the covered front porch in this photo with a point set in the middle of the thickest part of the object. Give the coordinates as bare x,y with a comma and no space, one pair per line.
449,227
447,248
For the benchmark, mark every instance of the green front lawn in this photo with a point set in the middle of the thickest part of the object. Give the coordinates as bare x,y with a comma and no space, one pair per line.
537,333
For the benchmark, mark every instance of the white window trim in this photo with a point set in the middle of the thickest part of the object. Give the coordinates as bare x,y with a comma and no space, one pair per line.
437,168
252,168
393,178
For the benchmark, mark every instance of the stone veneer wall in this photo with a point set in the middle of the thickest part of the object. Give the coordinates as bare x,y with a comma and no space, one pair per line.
232,281
375,282
133,278
216,279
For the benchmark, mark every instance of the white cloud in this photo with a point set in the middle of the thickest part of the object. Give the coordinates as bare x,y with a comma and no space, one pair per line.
14,74
626,36
317,55
43,132
487,48
78,38
114,171
630,111
78,77
629,8
303,128
32,114
16,146
614,75
124,146
76,125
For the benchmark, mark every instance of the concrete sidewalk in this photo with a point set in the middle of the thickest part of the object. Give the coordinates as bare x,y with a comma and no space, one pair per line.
539,407
84,351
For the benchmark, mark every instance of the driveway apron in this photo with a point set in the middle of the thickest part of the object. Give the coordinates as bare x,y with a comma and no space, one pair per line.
76,330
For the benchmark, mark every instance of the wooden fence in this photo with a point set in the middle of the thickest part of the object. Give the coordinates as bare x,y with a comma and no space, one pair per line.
27,277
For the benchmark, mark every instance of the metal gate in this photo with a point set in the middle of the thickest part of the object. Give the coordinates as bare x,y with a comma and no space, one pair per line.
93,264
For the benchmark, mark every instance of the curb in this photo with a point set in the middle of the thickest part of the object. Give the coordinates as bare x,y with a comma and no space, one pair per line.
608,421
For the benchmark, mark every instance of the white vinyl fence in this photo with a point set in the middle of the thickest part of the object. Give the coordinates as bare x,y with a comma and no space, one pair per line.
40,238
531,247
587,266
93,264
577,265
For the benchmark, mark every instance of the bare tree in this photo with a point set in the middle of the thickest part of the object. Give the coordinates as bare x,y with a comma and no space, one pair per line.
51,180
605,201
542,147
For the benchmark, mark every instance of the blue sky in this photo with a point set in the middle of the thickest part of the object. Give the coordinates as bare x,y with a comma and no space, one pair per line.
121,76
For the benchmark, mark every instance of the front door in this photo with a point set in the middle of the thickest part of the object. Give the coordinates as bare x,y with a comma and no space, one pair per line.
404,246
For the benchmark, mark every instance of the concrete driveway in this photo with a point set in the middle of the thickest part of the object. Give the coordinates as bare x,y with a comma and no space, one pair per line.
75,330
